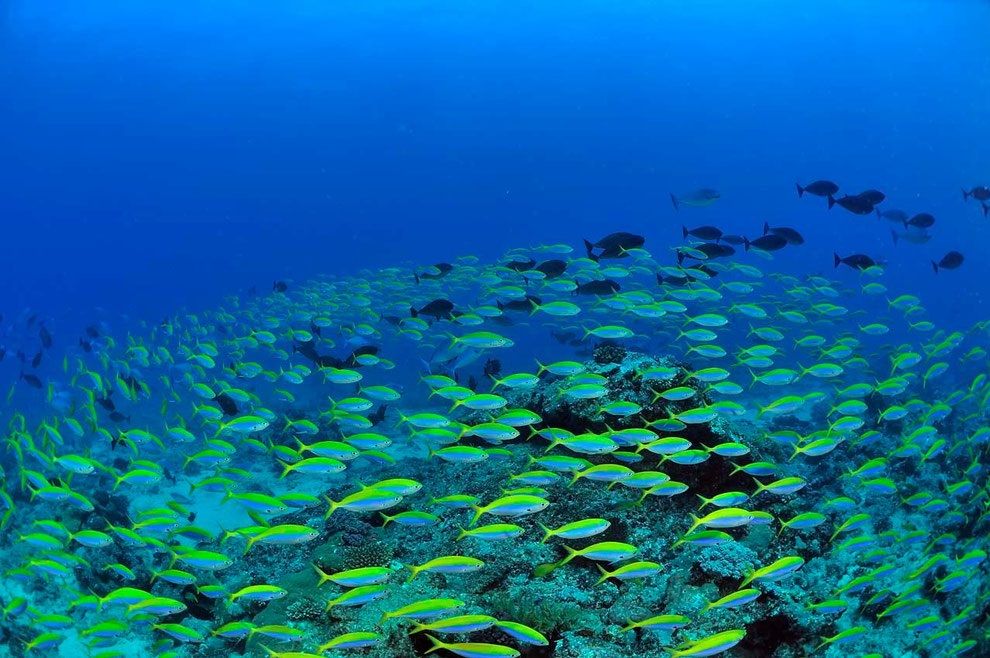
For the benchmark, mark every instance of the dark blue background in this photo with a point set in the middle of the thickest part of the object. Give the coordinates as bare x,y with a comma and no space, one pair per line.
156,156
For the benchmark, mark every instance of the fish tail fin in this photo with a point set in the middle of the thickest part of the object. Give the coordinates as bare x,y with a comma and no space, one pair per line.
935,267
547,533
836,259
605,574
571,554
831,201
746,243
332,507
986,209
321,574
684,231
385,518
965,194
673,200
478,511
588,247
462,534
800,190
416,278
286,470
437,644
413,313
415,572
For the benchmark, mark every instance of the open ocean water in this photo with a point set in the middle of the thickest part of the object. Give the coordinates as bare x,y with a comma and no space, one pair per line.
540,329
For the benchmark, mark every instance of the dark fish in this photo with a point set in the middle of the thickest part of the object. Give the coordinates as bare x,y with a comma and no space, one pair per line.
699,198
950,261
715,250
552,268
855,261
702,232
567,337
670,279
704,269
227,404
308,350
443,269
818,188
86,345
598,287
31,319
118,417
92,331
872,197
132,383
914,237
854,204
614,245
280,286
315,330
921,220
770,242
36,361
789,234
893,215
378,416
106,402
980,193
361,351
521,265
45,336
438,309
733,239
31,380
523,305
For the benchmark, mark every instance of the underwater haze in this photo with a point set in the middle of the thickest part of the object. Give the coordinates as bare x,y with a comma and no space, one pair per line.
494,330
168,154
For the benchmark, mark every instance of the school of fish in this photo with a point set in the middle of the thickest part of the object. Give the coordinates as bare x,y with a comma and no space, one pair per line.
686,444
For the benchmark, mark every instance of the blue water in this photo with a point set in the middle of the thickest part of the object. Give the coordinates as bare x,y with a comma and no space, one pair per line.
158,157
163,164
